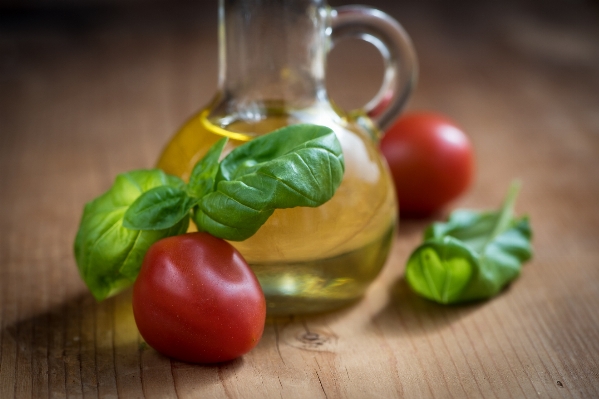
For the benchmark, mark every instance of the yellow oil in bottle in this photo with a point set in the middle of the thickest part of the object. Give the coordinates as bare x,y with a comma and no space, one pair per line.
307,259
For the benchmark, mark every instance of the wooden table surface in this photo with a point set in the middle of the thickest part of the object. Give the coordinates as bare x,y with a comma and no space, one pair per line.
88,92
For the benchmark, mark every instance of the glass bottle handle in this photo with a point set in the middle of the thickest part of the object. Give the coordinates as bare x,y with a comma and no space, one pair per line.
394,44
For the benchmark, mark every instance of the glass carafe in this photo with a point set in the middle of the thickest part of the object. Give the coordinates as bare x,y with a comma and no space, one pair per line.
272,56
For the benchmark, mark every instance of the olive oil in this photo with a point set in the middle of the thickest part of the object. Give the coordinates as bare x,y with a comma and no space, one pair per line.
307,259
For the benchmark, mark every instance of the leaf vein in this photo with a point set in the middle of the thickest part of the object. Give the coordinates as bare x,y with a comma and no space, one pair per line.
130,251
240,203
286,185
309,169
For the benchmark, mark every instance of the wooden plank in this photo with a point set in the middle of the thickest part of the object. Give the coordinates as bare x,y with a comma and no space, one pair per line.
105,360
126,349
8,350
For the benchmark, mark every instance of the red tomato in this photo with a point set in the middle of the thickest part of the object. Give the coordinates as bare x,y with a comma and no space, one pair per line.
431,161
197,300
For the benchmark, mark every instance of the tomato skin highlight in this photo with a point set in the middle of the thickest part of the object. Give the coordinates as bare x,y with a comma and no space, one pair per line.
431,161
196,300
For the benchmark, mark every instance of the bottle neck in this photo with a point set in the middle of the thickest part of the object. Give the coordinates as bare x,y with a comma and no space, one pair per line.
272,52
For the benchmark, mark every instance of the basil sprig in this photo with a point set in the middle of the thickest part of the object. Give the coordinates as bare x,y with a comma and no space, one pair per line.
471,257
299,165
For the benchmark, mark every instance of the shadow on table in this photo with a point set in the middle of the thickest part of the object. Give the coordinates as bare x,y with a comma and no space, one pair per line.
85,346
407,313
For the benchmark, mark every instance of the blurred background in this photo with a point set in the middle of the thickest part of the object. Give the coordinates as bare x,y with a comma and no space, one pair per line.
159,57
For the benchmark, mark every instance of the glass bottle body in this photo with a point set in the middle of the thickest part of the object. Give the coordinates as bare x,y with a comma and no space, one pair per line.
308,259
272,60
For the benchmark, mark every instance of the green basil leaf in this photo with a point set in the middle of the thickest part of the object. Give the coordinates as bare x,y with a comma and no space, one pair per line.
299,165
490,248
204,172
441,269
108,254
159,208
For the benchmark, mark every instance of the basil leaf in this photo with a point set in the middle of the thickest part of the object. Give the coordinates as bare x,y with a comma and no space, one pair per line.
472,256
299,165
158,209
204,172
441,269
108,254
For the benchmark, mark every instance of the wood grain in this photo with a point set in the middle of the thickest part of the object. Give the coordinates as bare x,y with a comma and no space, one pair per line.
88,92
